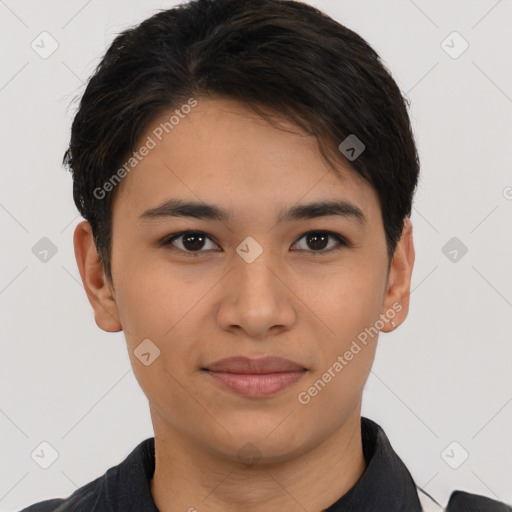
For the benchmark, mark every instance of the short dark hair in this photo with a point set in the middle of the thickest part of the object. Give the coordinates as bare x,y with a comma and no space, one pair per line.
278,55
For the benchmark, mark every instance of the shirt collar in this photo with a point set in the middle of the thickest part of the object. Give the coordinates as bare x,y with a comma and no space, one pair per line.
127,485
385,484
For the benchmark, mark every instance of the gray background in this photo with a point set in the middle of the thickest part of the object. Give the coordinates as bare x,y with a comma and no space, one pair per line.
443,376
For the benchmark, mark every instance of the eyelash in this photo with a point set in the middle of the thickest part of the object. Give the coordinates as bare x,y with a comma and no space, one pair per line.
167,242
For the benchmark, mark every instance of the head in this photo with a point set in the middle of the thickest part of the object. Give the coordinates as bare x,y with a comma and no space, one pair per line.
247,108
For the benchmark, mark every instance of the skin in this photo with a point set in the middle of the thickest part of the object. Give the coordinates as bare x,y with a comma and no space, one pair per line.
290,302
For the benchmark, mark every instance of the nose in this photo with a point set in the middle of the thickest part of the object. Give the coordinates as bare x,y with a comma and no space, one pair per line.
256,297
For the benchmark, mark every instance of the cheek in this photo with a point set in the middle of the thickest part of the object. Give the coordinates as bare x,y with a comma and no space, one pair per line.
166,306
151,295
347,301
346,352
346,337
162,312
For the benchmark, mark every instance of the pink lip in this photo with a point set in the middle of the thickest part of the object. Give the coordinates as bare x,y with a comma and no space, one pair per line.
256,385
240,364
255,377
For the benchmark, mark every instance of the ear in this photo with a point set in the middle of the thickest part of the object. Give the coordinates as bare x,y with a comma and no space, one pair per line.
398,286
97,287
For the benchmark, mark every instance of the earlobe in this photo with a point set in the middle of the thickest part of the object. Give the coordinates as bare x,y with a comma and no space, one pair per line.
96,285
396,300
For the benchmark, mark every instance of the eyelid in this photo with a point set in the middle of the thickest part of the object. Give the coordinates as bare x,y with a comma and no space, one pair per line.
340,239
167,240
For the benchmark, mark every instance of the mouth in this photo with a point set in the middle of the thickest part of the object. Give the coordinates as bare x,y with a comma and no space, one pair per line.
255,378
256,385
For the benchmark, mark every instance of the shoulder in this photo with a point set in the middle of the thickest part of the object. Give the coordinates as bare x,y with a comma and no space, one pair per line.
45,506
84,498
118,488
461,501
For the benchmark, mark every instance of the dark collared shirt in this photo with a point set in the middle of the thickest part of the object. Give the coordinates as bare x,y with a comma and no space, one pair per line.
385,485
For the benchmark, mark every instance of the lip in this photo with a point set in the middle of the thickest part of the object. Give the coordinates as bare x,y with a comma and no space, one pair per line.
255,377
256,385
247,365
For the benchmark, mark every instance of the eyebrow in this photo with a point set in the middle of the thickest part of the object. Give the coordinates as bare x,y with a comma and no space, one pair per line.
199,210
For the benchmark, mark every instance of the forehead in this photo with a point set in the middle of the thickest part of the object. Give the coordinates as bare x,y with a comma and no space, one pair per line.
221,150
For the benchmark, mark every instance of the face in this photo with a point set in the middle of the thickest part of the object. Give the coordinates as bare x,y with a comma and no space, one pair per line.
270,278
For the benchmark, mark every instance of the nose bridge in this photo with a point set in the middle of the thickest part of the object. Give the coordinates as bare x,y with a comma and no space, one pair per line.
252,272
255,298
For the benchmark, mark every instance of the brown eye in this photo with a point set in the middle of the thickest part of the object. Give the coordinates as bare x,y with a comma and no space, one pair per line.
189,242
318,241
193,241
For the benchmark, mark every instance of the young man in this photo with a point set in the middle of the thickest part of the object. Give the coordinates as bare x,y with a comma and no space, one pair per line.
246,171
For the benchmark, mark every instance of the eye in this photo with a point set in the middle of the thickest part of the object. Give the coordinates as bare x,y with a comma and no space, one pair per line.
191,243
188,242
318,241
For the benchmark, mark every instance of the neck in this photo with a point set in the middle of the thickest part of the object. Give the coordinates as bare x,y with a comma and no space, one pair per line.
191,478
